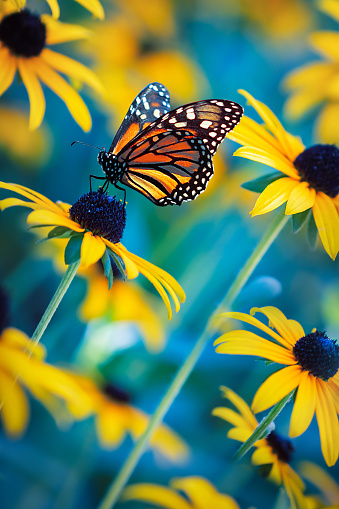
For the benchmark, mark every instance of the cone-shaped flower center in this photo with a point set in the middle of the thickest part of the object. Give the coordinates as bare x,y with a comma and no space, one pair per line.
317,354
281,446
117,394
23,33
100,214
4,310
319,166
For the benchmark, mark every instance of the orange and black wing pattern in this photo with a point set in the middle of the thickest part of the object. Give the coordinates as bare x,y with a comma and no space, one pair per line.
170,160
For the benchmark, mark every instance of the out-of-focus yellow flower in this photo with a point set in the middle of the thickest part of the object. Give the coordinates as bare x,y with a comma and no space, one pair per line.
23,367
26,51
93,6
307,179
274,450
94,226
199,493
279,20
327,486
115,418
30,148
318,83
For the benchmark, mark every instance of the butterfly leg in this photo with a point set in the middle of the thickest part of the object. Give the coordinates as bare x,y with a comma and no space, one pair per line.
123,190
94,177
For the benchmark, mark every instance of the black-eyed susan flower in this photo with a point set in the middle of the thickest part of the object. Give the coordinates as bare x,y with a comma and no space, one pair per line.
312,367
307,179
316,84
328,495
199,493
116,417
94,226
23,369
93,6
272,453
24,41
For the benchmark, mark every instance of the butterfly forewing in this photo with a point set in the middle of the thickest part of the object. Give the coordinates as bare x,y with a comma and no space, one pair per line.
168,167
150,104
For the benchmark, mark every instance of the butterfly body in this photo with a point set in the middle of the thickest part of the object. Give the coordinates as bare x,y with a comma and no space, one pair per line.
167,155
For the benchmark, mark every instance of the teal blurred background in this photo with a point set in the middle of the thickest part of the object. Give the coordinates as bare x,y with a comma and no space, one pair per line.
221,47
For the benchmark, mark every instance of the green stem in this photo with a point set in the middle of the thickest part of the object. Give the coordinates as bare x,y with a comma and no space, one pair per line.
185,370
56,299
262,427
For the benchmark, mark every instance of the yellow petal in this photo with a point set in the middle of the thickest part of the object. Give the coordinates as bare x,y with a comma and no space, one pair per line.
130,267
71,98
158,495
240,405
274,195
35,93
92,249
327,129
270,158
229,415
31,195
93,6
57,32
46,217
7,69
249,132
304,405
328,423
302,101
15,409
72,68
301,198
327,221
262,456
290,330
309,76
320,479
331,7
18,339
276,387
242,342
54,6
200,492
326,44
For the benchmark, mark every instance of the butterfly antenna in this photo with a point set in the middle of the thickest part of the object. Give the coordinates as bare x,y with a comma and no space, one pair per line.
82,143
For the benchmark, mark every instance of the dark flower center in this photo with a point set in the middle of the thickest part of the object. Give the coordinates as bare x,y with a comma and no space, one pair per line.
318,354
4,310
281,446
100,214
23,33
117,394
319,166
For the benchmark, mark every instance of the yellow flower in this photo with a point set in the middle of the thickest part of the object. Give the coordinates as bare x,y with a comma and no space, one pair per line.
306,178
94,226
317,83
312,367
22,367
115,418
199,493
34,146
93,6
26,51
327,486
274,450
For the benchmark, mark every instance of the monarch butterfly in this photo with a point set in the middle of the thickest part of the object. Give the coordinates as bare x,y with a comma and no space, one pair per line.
167,155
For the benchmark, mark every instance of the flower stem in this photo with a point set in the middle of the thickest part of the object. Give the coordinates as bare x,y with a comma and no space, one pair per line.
185,370
56,299
258,434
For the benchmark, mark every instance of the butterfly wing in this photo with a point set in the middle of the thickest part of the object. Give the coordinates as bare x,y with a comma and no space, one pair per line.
150,104
170,161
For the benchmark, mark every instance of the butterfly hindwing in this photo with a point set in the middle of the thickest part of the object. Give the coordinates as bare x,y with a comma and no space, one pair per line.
169,167
150,104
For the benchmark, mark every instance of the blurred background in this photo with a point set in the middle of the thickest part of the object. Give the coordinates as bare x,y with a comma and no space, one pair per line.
198,50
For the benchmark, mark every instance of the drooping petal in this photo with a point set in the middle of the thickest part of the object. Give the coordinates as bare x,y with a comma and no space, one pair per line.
71,98
274,195
301,198
35,93
242,342
7,69
269,157
327,220
71,67
290,330
327,419
35,197
92,249
276,387
304,405
240,405
158,495
202,493
48,218
14,406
